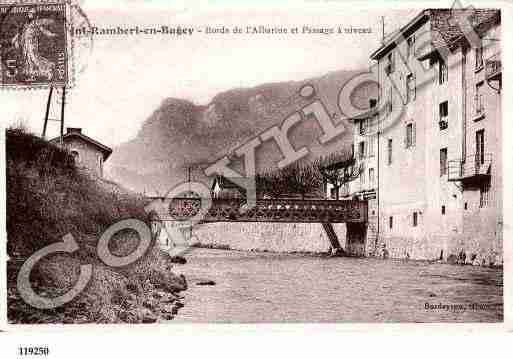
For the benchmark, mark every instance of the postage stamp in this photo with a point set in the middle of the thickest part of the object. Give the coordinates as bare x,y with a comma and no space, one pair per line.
33,45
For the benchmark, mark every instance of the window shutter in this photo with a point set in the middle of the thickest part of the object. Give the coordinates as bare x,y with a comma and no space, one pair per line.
414,86
407,87
406,136
389,109
414,134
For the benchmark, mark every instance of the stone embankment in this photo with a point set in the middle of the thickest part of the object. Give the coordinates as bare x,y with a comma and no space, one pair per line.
273,237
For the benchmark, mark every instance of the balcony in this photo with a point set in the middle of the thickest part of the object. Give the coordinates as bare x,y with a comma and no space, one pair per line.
494,67
473,169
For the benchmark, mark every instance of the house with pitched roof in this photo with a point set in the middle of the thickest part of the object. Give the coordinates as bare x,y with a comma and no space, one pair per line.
89,154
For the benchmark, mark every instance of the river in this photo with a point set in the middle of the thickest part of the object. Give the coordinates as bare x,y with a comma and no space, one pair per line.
266,287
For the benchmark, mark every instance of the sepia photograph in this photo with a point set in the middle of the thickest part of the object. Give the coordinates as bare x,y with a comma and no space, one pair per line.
251,164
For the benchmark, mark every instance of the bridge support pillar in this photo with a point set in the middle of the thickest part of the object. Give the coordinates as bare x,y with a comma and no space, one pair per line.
356,236
332,237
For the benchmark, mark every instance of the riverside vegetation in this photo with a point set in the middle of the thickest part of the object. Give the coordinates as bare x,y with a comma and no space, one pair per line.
48,196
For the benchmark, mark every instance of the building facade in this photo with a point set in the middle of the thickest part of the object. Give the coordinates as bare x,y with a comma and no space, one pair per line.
432,151
89,154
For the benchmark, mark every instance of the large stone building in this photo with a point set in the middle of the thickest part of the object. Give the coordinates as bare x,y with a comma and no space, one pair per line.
89,154
432,149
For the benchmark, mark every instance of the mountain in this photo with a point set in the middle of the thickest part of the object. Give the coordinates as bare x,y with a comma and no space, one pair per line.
179,133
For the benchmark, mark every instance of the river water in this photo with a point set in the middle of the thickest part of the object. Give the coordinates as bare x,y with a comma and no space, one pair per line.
266,287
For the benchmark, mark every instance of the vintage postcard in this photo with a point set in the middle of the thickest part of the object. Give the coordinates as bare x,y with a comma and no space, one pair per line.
251,163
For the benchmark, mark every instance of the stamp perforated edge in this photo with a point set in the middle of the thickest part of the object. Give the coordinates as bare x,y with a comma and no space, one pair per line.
69,47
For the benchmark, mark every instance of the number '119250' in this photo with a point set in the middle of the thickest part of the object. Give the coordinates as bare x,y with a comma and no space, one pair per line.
27,351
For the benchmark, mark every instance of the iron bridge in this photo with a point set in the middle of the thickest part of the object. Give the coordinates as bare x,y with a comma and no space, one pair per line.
265,210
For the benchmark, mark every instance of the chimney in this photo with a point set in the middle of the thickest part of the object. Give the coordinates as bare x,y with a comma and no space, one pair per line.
73,130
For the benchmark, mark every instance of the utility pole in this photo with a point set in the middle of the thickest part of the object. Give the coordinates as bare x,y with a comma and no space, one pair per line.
62,112
47,113
190,167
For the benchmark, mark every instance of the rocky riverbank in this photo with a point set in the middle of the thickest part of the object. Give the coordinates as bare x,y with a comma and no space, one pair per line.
111,296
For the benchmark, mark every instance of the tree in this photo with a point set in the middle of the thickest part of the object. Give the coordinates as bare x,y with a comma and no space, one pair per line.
306,178
302,179
270,183
295,179
339,168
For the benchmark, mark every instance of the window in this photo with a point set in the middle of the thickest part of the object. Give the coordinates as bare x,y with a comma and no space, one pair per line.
345,189
409,140
484,194
362,176
389,104
442,72
410,46
443,162
443,210
479,104
370,147
480,147
479,55
76,156
410,88
443,111
363,126
361,149
389,151
466,206
415,219
371,175
390,222
333,193
390,65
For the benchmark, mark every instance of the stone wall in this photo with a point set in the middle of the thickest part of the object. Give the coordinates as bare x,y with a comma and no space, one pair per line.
276,237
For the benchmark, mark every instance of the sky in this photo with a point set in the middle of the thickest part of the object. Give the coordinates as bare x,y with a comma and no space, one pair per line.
126,77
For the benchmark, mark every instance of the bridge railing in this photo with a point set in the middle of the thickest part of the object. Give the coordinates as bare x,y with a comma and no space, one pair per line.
269,210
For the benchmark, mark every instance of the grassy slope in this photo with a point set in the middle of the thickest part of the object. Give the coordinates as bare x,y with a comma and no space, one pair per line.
48,197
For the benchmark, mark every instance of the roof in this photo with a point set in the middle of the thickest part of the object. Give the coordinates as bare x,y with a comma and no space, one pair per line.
445,27
104,149
449,33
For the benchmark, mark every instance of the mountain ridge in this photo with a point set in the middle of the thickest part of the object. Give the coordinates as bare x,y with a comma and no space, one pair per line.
179,132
